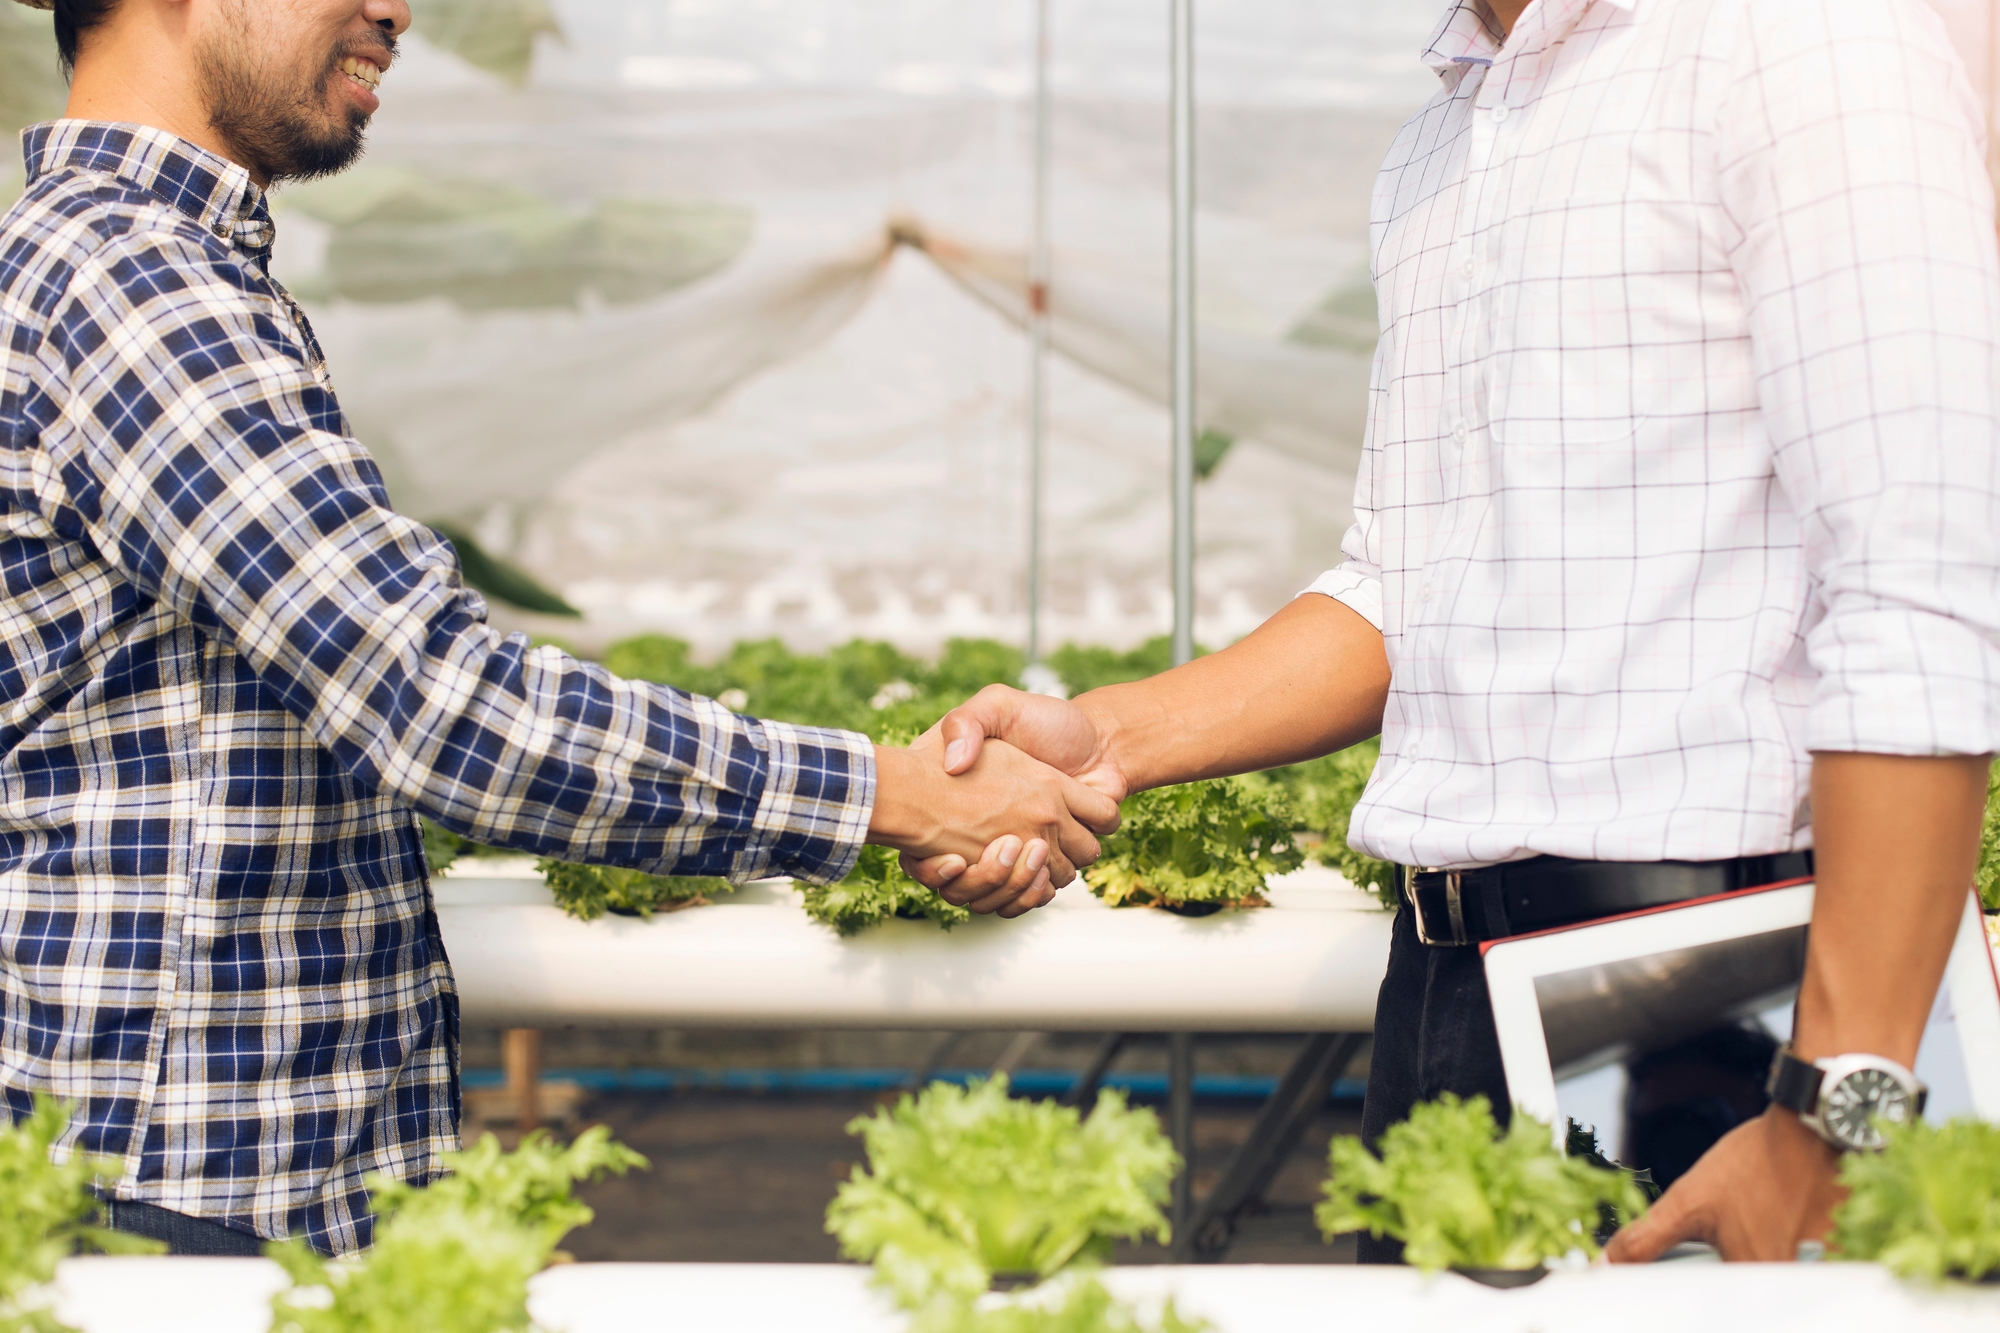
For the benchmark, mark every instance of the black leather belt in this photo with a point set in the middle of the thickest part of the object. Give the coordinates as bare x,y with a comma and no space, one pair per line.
1460,907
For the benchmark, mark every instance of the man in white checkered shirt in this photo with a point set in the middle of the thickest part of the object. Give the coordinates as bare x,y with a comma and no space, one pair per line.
1677,553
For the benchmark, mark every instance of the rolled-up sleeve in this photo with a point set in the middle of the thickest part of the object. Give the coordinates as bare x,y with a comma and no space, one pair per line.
1851,165
1357,581
186,452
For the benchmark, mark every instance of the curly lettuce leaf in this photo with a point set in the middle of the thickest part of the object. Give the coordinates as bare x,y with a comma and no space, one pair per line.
875,891
1927,1205
1460,1194
47,1209
1199,847
443,848
532,1186
965,1183
588,892
1325,792
454,1256
458,1272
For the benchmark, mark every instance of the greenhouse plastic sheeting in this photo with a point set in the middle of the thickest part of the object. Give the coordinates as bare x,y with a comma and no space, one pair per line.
1313,961
638,312
619,289
769,448
232,1296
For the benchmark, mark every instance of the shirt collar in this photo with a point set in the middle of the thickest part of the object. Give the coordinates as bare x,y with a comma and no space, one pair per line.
1466,36
215,192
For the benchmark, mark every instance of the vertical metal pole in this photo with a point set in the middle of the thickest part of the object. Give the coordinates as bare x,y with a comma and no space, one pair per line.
1180,1124
1038,332
1180,1057
1183,327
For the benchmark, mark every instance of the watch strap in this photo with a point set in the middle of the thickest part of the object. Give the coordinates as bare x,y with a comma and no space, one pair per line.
1794,1083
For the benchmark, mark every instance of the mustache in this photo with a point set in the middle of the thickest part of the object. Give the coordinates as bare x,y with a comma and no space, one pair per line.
378,46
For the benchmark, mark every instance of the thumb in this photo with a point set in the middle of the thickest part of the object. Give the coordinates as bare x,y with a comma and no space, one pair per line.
1090,807
1665,1225
966,727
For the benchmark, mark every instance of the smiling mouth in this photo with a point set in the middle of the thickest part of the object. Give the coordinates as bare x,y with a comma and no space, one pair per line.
363,72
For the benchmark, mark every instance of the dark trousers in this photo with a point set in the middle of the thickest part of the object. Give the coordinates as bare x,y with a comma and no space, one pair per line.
1433,1035
182,1234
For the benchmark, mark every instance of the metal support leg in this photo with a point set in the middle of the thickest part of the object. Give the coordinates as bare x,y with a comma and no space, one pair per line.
1180,1114
1083,1092
940,1053
1017,1052
1276,1131
521,1052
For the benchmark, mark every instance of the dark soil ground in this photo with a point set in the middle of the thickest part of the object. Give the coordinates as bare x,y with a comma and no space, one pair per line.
746,1179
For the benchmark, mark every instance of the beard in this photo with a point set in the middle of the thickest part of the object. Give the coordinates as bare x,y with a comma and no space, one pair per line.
274,114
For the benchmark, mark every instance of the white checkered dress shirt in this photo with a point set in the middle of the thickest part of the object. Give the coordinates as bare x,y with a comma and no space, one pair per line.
1683,460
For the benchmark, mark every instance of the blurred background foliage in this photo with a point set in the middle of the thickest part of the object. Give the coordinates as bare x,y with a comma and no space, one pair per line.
397,235
31,87
497,36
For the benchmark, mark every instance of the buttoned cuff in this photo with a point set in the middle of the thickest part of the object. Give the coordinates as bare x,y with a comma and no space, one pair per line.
819,793
1359,590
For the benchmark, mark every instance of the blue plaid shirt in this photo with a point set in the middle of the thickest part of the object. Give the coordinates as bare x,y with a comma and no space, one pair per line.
230,675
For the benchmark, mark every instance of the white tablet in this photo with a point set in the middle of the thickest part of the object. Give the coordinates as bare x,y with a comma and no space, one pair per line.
1571,1000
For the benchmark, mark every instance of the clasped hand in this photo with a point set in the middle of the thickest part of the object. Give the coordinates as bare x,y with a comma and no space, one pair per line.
998,833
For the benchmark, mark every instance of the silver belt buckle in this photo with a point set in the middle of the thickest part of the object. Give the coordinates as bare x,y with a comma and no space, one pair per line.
1454,906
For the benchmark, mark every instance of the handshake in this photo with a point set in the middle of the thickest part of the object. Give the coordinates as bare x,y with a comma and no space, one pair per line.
1002,802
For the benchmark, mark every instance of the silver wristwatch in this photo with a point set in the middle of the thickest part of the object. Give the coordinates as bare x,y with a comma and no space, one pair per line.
1846,1099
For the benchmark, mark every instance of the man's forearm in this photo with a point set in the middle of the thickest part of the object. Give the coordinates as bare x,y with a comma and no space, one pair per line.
1311,680
1896,844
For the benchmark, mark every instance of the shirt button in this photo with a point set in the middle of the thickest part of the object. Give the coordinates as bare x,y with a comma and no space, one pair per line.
1461,432
1469,269
1499,113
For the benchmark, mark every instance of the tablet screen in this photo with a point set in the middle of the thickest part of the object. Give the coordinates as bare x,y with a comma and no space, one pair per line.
1655,1029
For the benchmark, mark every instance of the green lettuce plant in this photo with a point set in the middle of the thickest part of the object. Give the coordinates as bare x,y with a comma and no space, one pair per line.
1580,1143
47,1212
1989,845
1927,1205
875,891
1077,1307
454,1256
1198,848
962,1184
862,686
588,892
1460,1194
1325,792
1084,668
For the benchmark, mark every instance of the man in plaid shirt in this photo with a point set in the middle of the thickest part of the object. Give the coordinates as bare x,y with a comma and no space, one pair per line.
231,675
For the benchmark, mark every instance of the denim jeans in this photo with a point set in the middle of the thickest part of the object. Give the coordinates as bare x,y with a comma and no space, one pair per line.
1433,1034
182,1234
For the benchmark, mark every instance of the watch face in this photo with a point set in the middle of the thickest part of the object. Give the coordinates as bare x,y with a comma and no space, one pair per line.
1856,1107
